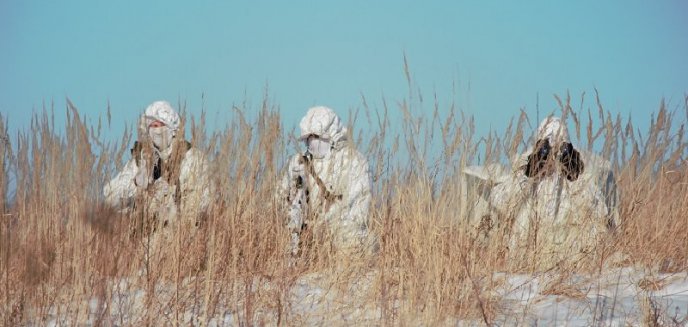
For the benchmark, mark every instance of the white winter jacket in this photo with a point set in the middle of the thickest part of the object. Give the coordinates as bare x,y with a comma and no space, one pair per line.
344,173
568,213
562,216
194,196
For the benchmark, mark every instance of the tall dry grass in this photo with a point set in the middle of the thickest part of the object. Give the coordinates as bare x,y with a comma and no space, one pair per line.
60,246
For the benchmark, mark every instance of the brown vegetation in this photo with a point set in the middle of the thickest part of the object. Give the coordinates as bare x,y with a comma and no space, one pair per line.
60,246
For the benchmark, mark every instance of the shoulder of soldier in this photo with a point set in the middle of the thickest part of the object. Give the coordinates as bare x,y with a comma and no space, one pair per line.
194,153
518,161
597,168
136,148
295,157
595,160
295,160
355,158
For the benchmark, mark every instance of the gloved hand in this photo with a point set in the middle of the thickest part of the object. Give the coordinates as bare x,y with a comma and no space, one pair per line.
162,188
571,164
298,168
163,202
296,211
537,160
142,177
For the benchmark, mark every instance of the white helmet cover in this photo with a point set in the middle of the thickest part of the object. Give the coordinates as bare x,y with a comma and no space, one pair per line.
162,111
323,122
554,130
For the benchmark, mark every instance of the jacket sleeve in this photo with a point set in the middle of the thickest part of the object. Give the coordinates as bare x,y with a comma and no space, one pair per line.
351,212
196,188
120,191
287,198
284,184
611,196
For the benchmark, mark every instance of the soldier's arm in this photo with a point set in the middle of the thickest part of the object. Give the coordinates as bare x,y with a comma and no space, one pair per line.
120,191
195,184
354,204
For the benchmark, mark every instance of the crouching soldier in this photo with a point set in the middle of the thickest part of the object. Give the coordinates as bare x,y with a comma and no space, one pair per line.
166,181
327,188
556,202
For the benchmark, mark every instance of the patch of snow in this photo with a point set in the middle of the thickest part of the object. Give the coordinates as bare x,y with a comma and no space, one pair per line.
617,297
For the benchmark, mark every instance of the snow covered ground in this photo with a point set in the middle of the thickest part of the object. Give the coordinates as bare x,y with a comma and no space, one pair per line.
618,297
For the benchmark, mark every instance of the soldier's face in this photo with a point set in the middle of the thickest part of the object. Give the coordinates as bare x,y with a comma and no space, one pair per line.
160,134
156,123
317,146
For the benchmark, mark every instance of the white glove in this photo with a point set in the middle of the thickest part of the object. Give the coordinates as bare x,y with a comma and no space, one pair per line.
296,211
142,177
294,244
162,188
163,201
297,168
296,221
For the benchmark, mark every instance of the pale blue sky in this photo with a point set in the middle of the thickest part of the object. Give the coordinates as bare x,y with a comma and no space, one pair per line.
499,54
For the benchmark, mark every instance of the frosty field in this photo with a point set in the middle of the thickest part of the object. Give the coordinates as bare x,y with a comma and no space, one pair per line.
66,259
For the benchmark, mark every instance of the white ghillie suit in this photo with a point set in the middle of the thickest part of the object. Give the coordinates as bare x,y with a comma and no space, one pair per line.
328,188
556,199
165,174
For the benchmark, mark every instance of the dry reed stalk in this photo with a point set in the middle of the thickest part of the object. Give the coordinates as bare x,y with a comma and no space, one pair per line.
60,246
